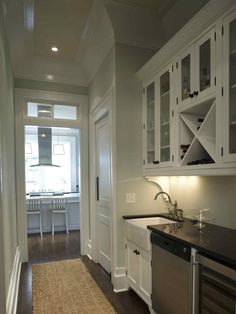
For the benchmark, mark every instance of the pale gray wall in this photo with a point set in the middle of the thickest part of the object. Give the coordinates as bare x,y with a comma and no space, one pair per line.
216,193
8,225
103,79
50,86
129,138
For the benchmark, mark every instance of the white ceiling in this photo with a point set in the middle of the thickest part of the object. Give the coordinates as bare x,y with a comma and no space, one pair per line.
59,23
84,31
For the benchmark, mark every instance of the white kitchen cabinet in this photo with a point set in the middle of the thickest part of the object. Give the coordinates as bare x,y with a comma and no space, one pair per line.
139,271
158,114
229,86
200,138
196,70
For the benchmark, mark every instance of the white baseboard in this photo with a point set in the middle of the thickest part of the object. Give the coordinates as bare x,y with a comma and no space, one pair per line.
89,254
12,295
120,280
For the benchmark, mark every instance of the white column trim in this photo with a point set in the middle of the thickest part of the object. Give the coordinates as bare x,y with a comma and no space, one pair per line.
12,294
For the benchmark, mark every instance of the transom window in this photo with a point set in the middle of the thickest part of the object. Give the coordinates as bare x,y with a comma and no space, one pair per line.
52,111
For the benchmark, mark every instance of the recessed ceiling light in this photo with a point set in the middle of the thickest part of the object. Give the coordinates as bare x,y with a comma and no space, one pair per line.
49,77
54,49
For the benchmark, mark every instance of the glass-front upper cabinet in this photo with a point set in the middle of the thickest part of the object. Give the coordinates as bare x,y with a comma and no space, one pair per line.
185,81
205,55
196,70
229,84
157,120
149,125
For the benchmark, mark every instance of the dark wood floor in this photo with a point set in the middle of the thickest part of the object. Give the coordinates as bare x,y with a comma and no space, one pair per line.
61,247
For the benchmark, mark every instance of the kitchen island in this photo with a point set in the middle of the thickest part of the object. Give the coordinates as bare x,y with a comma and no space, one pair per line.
73,207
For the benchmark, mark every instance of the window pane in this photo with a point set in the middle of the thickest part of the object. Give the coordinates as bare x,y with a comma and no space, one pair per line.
65,112
205,65
39,110
185,77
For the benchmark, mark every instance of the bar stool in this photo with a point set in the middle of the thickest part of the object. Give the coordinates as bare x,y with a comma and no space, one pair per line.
59,206
34,208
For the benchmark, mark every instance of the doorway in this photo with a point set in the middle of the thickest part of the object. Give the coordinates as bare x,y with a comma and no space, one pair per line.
52,110
52,173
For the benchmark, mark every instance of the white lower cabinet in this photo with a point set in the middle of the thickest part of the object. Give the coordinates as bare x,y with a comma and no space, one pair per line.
139,271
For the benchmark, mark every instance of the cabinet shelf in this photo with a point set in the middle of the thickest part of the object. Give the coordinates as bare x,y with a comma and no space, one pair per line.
165,94
165,123
233,123
233,86
165,147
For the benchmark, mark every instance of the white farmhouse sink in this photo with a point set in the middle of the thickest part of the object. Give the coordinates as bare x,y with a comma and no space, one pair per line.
137,232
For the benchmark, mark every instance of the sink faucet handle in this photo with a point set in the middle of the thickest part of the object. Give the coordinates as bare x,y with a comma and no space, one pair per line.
175,205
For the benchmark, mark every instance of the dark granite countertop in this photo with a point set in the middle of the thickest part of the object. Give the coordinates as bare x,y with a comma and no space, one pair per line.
213,241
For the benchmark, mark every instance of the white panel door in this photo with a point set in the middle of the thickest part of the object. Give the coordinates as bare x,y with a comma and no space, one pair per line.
103,193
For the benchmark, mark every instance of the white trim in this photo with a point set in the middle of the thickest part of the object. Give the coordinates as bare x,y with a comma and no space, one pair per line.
120,280
12,294
21,96
101,107
89,254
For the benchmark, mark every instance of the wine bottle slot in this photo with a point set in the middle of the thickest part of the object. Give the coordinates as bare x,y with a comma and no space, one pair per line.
184,146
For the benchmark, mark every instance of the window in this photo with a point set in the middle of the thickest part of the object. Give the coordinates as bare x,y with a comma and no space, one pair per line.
53,111
41,178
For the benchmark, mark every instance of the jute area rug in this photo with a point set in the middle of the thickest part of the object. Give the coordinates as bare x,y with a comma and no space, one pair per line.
66,287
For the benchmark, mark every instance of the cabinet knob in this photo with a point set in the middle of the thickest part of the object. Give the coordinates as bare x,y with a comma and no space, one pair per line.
137,253
156,162
191,95
195,93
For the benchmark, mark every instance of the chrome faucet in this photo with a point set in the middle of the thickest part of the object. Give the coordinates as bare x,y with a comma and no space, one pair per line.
175,213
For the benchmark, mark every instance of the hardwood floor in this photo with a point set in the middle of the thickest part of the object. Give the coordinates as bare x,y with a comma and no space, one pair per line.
62,246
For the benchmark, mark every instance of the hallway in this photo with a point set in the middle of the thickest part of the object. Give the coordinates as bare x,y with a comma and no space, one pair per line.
62,246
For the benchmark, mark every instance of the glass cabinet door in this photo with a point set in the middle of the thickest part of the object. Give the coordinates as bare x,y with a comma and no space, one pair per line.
150,123
185,77
164,117
185,67
205,64
229,83
232,87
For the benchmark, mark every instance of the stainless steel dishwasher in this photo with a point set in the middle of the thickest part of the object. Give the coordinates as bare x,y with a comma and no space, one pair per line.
171,276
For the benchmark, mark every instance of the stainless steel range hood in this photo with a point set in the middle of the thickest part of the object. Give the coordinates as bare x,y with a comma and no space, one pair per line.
45,147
